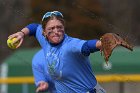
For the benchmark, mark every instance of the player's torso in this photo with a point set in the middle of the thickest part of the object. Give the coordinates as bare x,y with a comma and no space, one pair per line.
66,67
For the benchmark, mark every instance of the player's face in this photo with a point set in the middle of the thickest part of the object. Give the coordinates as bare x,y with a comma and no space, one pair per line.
54,31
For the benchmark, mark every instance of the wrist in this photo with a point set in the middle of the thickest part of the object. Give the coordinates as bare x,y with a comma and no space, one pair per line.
23,33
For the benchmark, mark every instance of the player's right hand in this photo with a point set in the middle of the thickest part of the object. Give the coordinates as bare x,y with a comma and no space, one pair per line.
43,86
19,37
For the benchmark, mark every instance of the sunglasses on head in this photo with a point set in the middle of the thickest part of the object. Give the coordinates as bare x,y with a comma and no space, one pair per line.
49,14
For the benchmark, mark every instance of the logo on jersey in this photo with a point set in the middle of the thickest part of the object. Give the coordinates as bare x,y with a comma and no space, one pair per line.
53,63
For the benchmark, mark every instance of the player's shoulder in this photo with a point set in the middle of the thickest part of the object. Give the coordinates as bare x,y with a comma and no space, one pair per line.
39,26
73,40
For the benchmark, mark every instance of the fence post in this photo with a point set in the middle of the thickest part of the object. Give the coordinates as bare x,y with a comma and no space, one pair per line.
25,88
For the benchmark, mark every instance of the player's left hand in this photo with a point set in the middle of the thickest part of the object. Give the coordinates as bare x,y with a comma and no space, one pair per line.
111,40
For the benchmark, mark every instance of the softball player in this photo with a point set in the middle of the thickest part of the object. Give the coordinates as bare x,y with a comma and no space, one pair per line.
66,58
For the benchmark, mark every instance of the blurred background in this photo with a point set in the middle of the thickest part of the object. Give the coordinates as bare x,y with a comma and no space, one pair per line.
85,19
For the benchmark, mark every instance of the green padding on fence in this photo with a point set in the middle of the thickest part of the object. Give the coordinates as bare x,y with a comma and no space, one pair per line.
19,63
21,56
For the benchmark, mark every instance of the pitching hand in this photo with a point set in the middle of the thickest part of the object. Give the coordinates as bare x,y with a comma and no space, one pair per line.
19,37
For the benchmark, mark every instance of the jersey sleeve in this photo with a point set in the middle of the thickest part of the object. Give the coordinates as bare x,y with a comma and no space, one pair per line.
89,47
32,28
37,68
40,73
40,38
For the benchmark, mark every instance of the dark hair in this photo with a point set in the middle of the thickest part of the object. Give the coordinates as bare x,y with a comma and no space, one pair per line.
45,21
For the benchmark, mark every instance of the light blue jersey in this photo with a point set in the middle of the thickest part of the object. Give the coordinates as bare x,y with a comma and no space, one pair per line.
67,66
40,71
